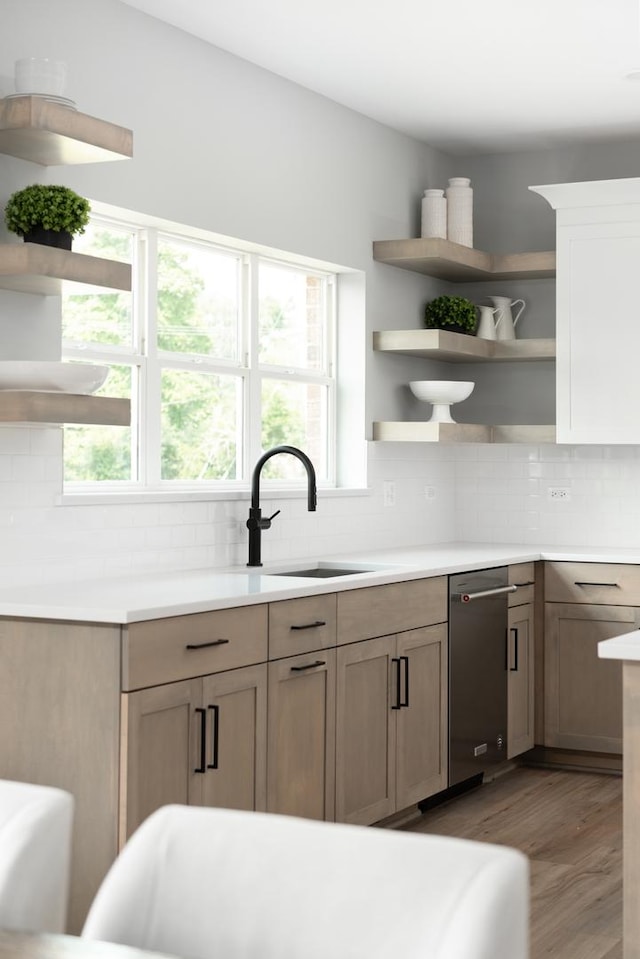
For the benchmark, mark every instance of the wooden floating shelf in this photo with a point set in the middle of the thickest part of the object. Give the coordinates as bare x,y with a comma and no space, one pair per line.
33,128
458,348
426,432
32,406
34,268
462,264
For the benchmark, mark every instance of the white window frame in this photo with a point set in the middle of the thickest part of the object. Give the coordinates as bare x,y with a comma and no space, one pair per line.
144,355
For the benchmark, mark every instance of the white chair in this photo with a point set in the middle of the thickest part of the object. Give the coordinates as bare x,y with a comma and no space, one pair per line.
222,884
35,856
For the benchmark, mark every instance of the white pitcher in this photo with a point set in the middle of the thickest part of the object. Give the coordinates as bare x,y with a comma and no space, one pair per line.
487,324
506,322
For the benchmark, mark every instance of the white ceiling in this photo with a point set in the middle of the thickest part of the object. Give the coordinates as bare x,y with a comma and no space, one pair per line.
463,75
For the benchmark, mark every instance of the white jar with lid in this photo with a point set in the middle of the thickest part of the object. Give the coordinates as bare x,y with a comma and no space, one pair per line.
434,214
460,211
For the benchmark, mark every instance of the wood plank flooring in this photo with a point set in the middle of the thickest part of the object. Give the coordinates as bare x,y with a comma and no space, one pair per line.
570,826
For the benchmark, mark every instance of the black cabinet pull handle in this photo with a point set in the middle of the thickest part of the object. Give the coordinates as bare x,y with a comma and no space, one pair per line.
203,741
529,582
585,583
514,668
215,726
214,642
398,702
405,660
318,622
299,669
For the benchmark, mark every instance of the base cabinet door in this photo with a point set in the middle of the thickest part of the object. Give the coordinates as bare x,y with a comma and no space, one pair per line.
583,694
197,742
422,754
235,744
301,735
391,723
162,750
367,700
520,681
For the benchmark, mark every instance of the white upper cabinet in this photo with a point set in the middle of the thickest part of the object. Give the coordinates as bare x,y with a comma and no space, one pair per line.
597,310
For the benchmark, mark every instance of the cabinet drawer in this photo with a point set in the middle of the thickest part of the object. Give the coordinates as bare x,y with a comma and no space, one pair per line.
607,584
522,575
301,625
159,651
381,610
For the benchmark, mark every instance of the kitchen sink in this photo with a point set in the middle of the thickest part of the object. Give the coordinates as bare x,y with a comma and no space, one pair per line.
325,571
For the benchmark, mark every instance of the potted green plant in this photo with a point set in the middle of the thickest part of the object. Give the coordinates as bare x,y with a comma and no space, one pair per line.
47,214
453,313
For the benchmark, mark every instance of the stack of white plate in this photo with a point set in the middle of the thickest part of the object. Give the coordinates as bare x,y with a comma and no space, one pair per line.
62,101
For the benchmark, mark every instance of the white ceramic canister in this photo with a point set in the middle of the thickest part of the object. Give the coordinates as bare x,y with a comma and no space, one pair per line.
434,214
40,76
460,211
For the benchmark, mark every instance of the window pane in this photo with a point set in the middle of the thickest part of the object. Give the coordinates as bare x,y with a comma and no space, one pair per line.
100,317
201,413
198,299
294,414
101,453
291,318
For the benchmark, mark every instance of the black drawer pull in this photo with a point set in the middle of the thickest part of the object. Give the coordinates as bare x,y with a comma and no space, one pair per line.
318,622
405,660
215,726
299,669
398,703
214,642
514,668
203,741
528,583
585,583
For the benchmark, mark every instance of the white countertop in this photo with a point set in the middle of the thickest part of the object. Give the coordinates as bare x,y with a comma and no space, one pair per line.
157,595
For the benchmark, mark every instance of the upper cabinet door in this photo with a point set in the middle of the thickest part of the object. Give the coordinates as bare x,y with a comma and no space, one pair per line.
597,310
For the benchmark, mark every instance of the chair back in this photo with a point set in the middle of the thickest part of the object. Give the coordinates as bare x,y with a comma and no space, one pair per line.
35,856
223,884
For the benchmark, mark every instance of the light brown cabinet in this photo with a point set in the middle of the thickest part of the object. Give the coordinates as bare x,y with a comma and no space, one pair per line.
301,735
200,741
521,661
583,694
391,708
391,723
520,681
584,604
301,740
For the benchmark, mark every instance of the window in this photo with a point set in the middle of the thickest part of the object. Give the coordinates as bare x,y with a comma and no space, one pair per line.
224,352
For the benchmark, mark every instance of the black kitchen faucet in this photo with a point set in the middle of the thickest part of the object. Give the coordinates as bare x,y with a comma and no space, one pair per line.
256,522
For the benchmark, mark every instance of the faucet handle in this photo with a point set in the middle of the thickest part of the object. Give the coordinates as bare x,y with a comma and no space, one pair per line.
272,517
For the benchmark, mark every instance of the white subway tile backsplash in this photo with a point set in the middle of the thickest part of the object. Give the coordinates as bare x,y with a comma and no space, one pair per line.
467,492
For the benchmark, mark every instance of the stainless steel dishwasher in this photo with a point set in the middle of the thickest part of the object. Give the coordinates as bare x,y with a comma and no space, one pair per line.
478,621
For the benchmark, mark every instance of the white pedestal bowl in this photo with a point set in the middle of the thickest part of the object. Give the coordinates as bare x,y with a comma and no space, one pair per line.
442,394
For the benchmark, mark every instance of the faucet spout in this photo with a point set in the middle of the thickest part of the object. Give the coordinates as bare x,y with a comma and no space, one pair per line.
256,522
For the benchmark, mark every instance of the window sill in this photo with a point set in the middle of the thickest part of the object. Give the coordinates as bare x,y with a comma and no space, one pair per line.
190,496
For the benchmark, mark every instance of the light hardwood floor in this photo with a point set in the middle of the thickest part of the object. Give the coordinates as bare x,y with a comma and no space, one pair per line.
570,826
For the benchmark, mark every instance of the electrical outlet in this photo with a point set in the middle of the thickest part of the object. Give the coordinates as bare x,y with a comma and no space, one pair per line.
429,492
389,494
559,494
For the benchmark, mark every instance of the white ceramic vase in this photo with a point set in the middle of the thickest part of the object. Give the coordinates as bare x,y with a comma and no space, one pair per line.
460,211
434,214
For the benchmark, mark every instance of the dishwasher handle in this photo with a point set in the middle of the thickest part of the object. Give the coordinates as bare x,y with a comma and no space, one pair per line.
485,593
